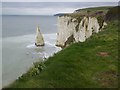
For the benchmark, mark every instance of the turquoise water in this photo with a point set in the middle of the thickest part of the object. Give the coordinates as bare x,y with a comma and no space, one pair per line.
18,49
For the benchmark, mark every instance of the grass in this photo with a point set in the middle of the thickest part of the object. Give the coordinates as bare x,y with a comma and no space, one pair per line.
95,8
91,64
89,11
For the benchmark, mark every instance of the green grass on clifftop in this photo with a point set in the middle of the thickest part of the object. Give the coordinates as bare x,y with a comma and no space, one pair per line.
95,11
91,64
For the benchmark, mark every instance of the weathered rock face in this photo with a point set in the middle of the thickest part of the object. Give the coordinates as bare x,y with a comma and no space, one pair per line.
66,29
39,38
71,30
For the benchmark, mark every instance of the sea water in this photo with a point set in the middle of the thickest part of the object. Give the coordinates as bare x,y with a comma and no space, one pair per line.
18,49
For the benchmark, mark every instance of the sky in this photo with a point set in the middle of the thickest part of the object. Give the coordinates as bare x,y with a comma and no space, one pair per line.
60,0
47,8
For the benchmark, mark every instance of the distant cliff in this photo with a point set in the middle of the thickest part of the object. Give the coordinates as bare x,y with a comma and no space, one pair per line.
80,25
59,14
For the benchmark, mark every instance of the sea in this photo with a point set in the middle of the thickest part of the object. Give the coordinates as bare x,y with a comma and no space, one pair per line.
18,43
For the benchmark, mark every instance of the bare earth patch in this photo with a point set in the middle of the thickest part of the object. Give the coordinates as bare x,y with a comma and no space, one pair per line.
107,79
104,54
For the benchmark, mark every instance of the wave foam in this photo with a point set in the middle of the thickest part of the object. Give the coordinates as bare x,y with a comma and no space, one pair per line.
31,46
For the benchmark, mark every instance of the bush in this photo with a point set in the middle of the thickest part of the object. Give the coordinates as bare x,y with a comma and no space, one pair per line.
36,69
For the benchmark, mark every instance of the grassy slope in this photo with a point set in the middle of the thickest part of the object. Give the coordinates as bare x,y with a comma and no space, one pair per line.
90,11
95,8
80,65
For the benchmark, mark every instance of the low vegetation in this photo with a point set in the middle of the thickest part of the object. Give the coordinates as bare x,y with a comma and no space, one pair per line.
113,13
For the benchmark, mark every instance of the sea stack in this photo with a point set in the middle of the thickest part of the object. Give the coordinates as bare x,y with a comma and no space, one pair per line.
39,38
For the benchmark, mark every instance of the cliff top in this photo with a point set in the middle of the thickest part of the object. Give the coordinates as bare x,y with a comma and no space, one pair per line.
93,12
96,11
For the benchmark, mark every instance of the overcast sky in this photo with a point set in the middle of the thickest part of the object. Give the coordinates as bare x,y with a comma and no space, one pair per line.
60,0
47,8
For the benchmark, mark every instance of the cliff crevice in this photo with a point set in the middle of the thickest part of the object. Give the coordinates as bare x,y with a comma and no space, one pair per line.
72,29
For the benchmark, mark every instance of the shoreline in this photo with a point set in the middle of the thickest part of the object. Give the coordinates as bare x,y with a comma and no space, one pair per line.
31,50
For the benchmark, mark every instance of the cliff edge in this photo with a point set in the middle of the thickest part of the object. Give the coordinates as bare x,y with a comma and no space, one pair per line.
80,25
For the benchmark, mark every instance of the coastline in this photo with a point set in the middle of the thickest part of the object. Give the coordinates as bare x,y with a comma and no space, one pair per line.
81,69
35,54
92,63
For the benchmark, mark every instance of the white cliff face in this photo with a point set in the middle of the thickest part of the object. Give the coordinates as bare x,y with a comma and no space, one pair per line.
66,28
104,24
72,30
39,38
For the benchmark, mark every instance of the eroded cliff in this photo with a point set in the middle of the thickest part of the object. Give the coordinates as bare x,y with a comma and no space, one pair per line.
72,29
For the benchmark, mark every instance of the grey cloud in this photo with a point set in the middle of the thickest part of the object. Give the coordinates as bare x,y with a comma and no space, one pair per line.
39,8
54,4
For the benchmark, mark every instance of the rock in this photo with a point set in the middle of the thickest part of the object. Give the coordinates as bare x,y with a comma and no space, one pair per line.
66,29
72,30
39,38
104,24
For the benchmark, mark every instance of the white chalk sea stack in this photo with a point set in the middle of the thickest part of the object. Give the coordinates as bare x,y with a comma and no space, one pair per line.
71,30
39,38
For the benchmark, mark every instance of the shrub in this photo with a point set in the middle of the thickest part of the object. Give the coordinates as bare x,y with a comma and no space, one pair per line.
36,69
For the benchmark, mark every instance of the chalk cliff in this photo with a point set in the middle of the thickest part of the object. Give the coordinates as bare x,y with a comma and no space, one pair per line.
39,38
72,30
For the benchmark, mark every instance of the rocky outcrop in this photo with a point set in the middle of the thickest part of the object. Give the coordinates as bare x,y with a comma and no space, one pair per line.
72,30
39,38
